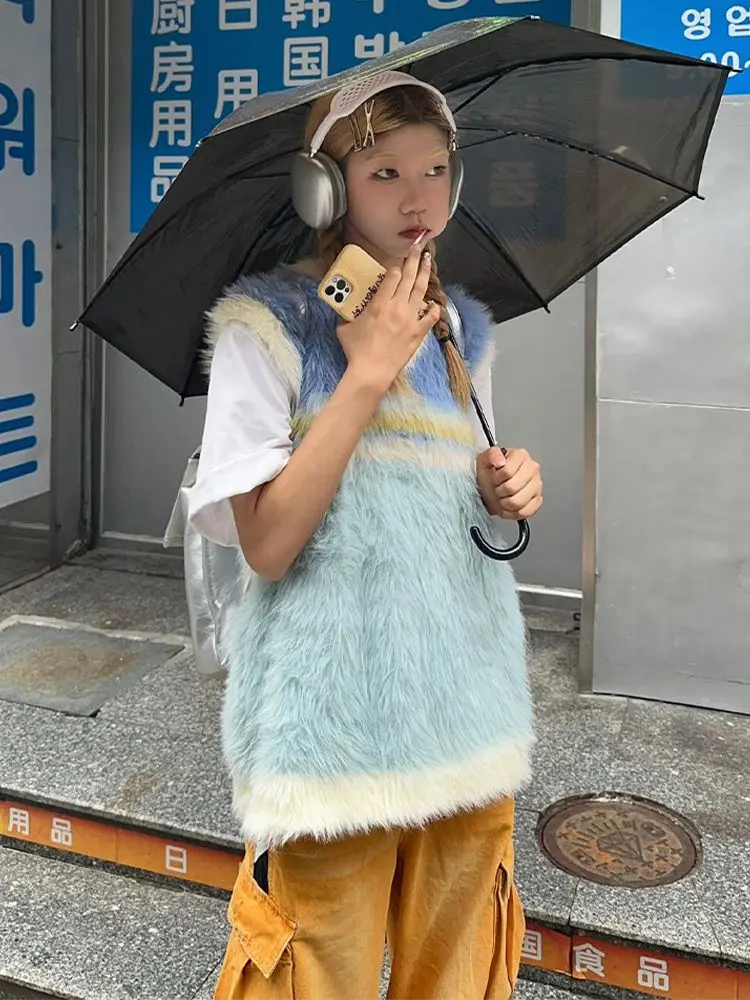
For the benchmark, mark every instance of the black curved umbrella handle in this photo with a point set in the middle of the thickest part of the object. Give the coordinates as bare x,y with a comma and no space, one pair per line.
503,555
524,532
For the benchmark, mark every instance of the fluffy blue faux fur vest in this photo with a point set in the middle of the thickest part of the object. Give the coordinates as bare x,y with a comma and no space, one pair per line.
382,681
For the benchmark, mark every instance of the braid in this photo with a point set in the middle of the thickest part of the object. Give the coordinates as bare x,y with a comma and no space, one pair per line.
458,376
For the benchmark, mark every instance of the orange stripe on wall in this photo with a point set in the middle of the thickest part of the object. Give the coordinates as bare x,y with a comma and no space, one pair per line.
582,957
106,842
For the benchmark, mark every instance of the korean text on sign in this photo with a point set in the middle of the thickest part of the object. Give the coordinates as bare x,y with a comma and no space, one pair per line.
727,26
716,31
25,250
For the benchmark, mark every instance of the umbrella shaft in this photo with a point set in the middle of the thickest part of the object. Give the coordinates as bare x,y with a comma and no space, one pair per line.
483,420
478,406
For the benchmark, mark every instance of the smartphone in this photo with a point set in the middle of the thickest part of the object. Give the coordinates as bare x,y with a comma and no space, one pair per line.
351,282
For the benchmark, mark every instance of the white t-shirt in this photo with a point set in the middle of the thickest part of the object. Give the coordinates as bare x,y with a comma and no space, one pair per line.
247,431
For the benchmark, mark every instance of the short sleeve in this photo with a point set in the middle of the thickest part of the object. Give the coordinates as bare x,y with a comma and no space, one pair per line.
246,435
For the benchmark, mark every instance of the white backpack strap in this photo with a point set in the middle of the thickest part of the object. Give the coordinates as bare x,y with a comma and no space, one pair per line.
454,322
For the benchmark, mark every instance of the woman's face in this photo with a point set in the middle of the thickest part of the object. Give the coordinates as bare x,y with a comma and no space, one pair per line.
396,188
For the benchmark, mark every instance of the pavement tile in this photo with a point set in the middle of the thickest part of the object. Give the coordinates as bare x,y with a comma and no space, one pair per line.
689,759
50,664
527,989
72,931
669,916
574,751
153,702
576,735
553,668
149,776
206,991
546,891
722,886
104,599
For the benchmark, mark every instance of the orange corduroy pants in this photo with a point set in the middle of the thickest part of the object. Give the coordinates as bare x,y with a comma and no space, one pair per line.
443,895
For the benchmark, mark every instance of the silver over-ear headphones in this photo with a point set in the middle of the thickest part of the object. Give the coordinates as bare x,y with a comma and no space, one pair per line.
319,190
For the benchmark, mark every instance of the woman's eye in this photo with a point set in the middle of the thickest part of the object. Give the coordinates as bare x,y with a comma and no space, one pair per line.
439,170
385,174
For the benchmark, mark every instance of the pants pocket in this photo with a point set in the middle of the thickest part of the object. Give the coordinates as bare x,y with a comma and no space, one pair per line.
510,928
258,959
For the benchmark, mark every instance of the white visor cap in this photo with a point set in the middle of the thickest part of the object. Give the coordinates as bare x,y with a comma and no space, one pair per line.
354,95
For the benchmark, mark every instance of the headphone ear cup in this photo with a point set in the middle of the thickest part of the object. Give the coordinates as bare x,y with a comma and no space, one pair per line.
457,182
318,190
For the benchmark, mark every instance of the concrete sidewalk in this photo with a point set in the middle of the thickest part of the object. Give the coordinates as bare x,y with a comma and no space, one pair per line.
150,756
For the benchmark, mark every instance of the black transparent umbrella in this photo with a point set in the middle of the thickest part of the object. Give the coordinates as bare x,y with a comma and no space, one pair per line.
572,144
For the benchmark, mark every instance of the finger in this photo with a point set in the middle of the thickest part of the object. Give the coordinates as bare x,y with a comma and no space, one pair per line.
389,284
525,513
429,319
495,459
516,458
419,288
507,484
411,269
520,499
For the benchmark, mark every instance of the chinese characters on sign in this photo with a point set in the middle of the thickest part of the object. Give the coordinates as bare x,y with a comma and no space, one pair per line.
654,974
62,832
617,965
176,860
19,822
25,252
532,947
717,32
196,61
588,959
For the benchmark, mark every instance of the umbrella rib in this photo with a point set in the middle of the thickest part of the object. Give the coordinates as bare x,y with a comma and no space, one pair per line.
582,148
476,221
482,90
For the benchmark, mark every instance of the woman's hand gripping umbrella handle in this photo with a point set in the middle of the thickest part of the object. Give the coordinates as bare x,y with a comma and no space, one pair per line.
524,532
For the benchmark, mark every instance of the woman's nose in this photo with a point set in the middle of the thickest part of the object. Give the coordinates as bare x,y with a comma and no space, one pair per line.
413,201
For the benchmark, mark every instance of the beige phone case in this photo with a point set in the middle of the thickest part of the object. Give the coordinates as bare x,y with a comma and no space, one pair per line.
351,282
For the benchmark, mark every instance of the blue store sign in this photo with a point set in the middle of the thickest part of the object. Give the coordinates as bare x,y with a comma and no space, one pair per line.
717,32
195,61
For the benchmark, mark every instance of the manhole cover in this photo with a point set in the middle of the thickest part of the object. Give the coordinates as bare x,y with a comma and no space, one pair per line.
73,670
619,840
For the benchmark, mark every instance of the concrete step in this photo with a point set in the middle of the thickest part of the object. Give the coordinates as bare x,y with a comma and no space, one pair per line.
527,989
74,932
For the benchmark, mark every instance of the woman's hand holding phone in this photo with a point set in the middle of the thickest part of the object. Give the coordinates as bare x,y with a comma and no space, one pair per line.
387,334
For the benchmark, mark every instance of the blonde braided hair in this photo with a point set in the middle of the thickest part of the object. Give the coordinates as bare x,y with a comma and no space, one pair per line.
458,377
393,109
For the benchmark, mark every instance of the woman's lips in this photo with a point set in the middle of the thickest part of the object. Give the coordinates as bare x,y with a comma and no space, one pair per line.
414,234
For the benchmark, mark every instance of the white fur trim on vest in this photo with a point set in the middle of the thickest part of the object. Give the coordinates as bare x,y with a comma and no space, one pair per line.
257,321
278,808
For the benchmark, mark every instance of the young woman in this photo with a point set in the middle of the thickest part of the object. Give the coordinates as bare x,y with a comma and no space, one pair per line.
377,719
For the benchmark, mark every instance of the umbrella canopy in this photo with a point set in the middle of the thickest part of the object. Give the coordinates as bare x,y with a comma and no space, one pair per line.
572,143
